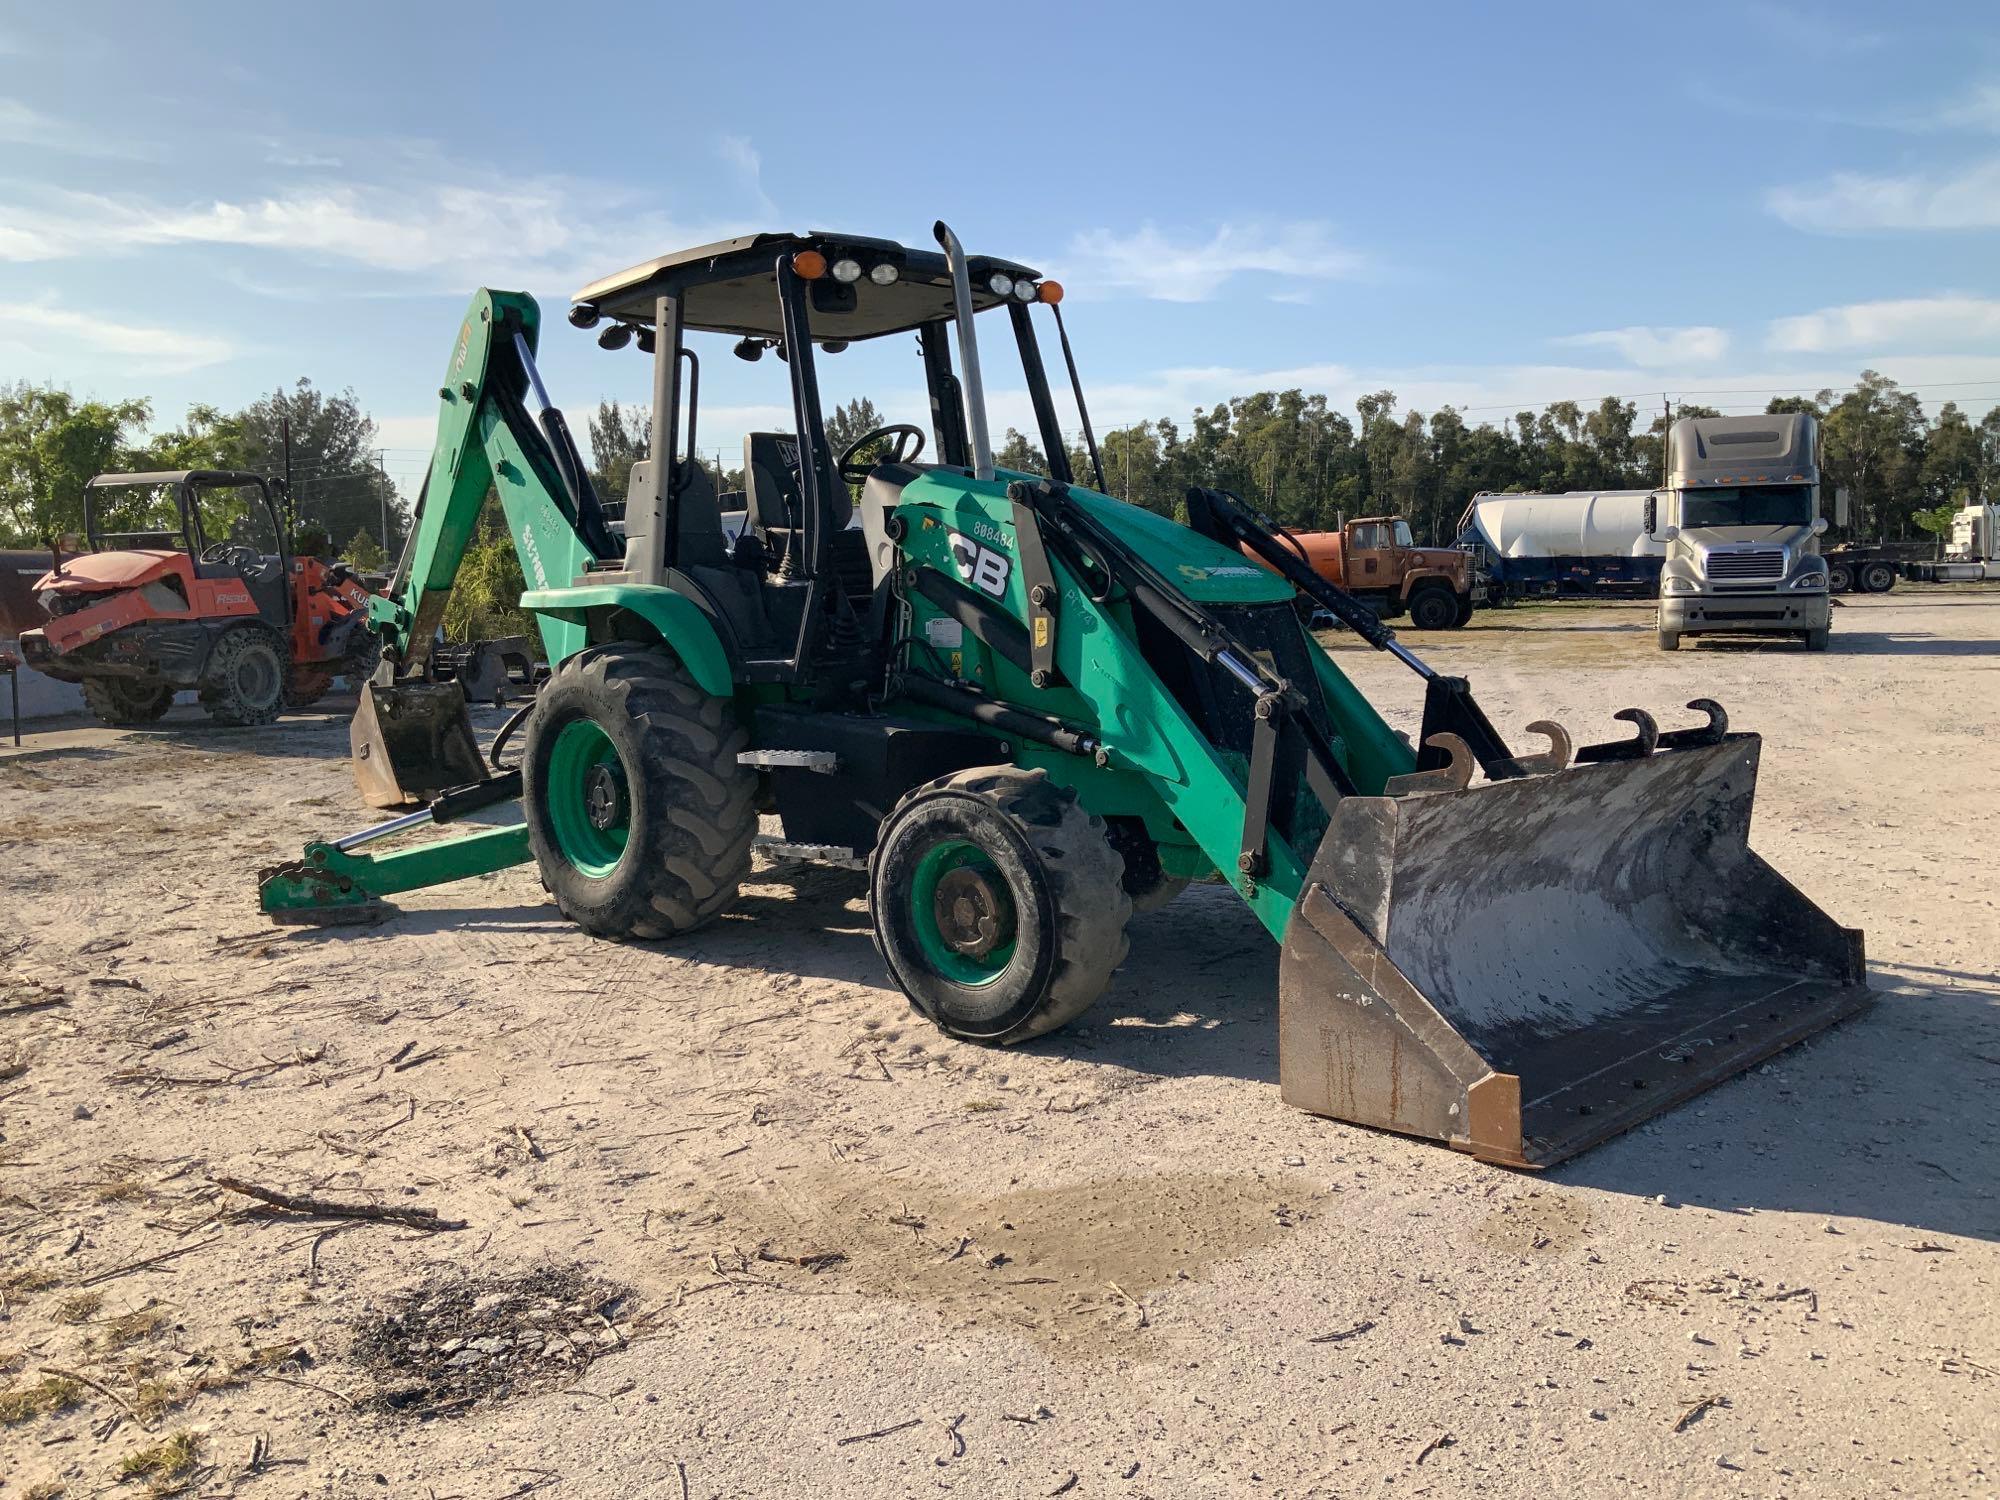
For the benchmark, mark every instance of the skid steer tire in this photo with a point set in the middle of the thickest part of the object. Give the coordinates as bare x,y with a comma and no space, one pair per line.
1670,640
1434,607
246,677
126,700
639,815
1037,924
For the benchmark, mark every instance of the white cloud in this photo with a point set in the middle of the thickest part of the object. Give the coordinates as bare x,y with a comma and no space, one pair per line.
551,234
42,330
1655,348
1875,325
1190,269
1968,198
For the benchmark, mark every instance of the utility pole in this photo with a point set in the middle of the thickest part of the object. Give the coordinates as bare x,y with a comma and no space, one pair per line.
291,501
382,473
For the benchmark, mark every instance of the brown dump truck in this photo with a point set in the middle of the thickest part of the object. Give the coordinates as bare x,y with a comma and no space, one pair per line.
1376,560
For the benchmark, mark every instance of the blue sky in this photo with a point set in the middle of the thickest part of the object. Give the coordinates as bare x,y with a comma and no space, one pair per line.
1490,206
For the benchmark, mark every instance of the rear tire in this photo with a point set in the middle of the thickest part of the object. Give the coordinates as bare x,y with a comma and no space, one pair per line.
307,687
244,682
127,700
1839,578
1028,936
1149,886
1434,607
638,813
1876,578
1670,640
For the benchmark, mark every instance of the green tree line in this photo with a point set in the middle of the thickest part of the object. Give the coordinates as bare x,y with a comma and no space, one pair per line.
52,444
1309,465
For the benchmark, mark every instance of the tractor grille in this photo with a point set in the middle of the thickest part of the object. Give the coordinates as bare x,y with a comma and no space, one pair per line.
1761,563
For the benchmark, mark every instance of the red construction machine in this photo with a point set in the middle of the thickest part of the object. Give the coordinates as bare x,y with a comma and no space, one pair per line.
182,595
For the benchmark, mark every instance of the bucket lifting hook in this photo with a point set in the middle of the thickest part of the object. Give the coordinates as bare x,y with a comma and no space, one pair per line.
1551,760
1455,777
1710,733
1637,748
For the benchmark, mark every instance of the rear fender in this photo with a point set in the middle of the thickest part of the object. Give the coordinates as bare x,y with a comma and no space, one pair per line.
572,618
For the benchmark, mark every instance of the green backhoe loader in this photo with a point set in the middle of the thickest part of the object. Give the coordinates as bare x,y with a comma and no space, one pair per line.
1029,710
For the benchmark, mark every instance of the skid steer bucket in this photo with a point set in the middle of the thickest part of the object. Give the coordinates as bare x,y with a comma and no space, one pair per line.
1527,967
411,741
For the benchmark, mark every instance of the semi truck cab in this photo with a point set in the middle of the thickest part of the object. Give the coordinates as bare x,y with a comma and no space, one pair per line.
1739,515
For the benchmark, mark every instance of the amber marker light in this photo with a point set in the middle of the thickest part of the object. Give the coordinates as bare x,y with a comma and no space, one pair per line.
809,264
1049,292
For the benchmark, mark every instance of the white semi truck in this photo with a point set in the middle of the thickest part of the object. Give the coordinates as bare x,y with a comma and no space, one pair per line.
1973,553
1739,515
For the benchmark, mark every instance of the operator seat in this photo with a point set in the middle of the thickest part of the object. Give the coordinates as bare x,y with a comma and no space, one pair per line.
702,552
773,501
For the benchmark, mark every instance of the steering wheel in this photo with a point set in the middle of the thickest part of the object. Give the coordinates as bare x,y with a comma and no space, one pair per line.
904,452
239,555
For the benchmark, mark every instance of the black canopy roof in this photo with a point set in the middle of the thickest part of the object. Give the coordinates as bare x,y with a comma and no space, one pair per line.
731,286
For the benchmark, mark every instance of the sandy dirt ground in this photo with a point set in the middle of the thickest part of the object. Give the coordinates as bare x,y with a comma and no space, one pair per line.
738,1224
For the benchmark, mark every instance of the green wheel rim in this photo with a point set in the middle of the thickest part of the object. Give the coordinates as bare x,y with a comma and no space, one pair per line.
583,757
960,968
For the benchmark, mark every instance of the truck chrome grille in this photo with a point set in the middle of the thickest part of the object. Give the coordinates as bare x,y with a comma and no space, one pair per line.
1760,563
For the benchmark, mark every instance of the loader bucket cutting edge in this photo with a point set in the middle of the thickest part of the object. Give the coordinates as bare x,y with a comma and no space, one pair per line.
412,741
1525,968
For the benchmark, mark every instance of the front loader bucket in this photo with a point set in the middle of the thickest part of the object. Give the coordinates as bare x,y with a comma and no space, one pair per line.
1525,968
411,741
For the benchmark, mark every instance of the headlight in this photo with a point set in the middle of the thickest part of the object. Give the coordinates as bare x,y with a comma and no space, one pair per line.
1815,579
846,269
1024,291
1000,284
1677,586
884,274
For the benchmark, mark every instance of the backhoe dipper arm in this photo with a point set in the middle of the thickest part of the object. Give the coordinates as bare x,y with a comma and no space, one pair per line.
488,441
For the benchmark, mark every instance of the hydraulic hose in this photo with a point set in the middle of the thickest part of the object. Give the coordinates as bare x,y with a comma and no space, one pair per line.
514,721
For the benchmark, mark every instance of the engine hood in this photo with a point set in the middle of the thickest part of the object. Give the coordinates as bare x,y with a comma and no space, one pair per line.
97,572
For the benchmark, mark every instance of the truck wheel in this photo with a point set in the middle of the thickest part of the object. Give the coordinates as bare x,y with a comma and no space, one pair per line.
1877,578
244,682
1670,640
1434,607
1839,578
998,903
638,813
1816,640
1465,610
127,700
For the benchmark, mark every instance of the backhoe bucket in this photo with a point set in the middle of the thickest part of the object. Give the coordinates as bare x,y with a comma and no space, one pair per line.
1527,967
411,741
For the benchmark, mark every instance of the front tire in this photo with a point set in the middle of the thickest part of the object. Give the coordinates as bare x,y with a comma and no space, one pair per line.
124,701
639,815
1816,640
998,903
1434,607
245,680
1670,640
